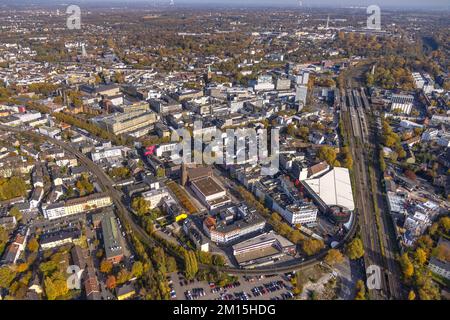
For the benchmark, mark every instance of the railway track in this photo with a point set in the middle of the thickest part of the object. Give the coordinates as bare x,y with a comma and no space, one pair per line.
355,122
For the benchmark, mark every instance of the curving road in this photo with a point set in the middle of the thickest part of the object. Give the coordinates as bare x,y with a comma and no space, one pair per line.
126,216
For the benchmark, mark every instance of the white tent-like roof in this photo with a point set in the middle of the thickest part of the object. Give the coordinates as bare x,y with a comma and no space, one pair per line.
334,188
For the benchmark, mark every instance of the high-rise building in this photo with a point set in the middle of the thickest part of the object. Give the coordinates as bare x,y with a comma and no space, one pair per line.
300,95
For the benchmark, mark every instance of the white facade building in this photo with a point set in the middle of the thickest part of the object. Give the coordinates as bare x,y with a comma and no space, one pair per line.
402,103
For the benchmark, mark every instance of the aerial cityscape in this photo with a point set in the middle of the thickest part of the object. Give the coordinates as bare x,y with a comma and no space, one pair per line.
193,150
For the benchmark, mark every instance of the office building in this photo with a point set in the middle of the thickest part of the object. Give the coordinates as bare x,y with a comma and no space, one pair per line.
119,123
111,239
78,205
233,223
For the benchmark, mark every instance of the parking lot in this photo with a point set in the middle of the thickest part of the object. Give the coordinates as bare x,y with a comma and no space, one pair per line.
245,288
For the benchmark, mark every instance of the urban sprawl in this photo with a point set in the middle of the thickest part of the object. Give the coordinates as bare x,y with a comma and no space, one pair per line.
90,180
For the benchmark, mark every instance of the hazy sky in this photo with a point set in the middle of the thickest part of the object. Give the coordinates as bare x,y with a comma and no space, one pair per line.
402,3
282,3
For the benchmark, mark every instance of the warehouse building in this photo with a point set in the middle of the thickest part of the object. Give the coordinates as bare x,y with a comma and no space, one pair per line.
126,122
263,250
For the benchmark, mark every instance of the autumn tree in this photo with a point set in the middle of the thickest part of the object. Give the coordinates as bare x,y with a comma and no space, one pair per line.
355,249
123,276
106,266
160,172
327,154
406,265
442,253
159,257
55,286
12,188
33,245
137,269
333,257
171,264
420,256
428,290
84,185
410,175
140,205
15,212
7,275
191,265
312,246
111,282
22,267
360,290
4,236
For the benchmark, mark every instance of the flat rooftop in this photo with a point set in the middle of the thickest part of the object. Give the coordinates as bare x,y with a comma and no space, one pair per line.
257,254
264,240
111,237
207,186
